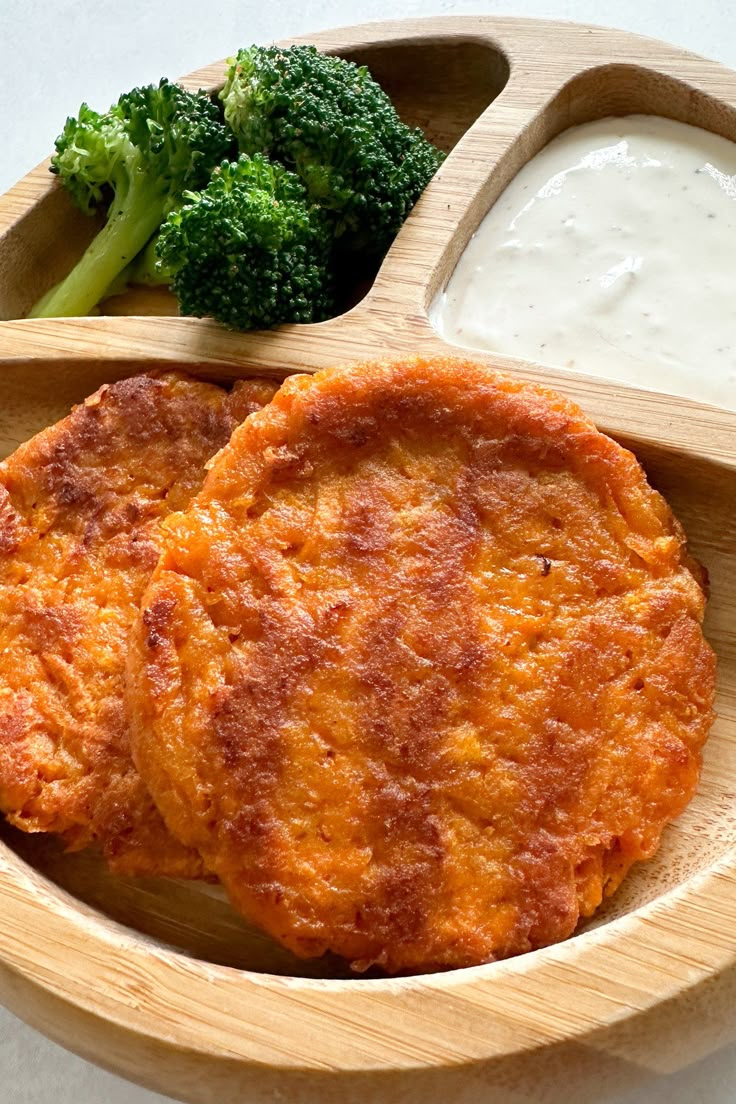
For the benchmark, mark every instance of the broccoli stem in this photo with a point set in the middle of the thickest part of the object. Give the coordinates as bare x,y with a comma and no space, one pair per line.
144,269
131,222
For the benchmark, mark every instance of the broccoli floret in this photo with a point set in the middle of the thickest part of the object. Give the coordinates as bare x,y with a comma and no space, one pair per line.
138,158
249,250
329,121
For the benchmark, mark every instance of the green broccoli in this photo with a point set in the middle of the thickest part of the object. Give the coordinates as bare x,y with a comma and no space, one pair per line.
249,250
137,159
329,121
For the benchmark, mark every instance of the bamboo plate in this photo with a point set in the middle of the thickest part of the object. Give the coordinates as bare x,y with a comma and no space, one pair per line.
160,981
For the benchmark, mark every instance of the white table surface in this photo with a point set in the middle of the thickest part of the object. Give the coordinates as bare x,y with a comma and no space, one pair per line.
56,53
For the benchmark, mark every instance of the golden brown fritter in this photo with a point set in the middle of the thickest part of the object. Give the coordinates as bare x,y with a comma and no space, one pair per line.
420,673
80,511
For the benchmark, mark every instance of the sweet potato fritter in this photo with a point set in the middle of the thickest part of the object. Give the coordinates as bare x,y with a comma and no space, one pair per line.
80,511
421,673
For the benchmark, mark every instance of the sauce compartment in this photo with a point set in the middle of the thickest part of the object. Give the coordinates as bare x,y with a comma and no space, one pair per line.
596,93
611,235
438,84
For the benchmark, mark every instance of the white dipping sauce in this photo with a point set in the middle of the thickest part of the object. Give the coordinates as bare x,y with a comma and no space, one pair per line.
613,253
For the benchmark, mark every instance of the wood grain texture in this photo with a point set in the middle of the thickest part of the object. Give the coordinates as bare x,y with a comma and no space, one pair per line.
160,981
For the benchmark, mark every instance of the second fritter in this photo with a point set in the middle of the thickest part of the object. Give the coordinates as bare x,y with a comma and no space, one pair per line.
421,672
81,505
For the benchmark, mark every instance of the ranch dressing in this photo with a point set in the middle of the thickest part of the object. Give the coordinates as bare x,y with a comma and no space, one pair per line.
613,253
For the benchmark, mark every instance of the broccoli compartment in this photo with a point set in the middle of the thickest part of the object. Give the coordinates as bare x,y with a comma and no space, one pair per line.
254,218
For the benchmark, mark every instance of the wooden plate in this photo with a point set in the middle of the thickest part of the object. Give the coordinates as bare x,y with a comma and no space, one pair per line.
160,981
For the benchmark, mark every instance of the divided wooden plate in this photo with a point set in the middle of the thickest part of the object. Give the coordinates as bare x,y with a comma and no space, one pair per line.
160,981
